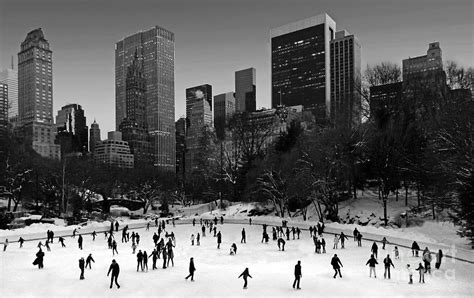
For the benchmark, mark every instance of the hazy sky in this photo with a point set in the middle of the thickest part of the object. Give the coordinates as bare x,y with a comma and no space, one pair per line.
214,38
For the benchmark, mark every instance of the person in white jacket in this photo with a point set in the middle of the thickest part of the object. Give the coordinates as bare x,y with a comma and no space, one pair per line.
410,274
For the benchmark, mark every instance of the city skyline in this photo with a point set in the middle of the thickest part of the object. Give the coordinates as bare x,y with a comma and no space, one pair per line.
389,32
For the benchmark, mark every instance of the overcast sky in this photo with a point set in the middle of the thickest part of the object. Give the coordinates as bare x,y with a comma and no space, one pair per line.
214,38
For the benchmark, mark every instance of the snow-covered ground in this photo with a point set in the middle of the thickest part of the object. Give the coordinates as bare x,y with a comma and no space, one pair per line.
217,271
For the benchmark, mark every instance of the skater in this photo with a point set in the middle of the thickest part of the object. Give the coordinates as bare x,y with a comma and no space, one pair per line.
215,221
387,262
250,221
192,239
323,244
203,230
317,245
311,231
298,276
124,235
145,260
154,256
219,240
281,243
194,222
61,240
192,269
215,230
336,241
397,254
74,233
93,235
243,240
427,260
39,259
421,271
148,226
233,249
116,226
287,233
40,244
222,220
134,247
384,241
5,244
165,256
245,275
115,269
439,257
137,237
298,232
336,265
21,240
198,239
293,231
155,238
410,274
81,266
114,247
343,237
359,239
47,245
139,260
374,249
170,246
414,249
89,259
52,236
372,262
79,241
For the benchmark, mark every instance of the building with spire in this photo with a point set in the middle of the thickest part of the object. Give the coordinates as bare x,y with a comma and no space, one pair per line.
94,137
134,126
35,94
3,110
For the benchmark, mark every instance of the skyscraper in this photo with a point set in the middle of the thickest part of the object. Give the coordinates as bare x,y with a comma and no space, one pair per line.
35,94
94,138
156,48
300,60
345,109
197,94
224,108
72,131
3,110
245,90
180,146
9,76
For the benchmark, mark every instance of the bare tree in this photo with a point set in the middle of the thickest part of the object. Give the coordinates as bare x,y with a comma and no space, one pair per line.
457,77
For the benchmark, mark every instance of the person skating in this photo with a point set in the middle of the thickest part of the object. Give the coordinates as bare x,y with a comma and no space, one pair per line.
410,274
387,262
281,244
198,239
287,233
374,249
39,259
155,238
293,231
137,238
139,260
298,276
234,248
61,240
81,266
336,241
245,275
298,232
219,240
414,249
323,244
336,265
154,256
94,234
40,244
215,220
274,234
317,244
133,237
114,247
89,259
243,239
116,226
359,239
169,247
215,230
74,233
397,254
439,257
5,244
421,272
250,221
21,240
134,247
109,242
192,239
165,257
124,235
47,245
194,222
427,260
372,262
145,260
192,269
343,237
52,236
311,231
148,226
79,241
384,242
222,220
115,269
203,230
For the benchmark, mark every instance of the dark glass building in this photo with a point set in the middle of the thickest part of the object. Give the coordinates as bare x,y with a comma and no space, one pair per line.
246,90
300,64
72,131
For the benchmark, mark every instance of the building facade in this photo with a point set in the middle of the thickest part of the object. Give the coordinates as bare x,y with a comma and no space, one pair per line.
197,94
114,151
94,136
180,147
156,49
224,108
300,61
72,130
345,108
35,93
3,110
245,90
9,76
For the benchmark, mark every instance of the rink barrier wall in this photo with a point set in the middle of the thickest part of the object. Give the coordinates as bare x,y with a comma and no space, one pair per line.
258,222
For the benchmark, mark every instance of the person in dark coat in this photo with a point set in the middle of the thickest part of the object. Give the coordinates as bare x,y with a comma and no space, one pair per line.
374,249
415,248
323,244
359,239
39,259
372,262
139,260
93,235
421,271
343,237
219,239
194,222
81,266
311,231
116,226
234,248
387,262
198,239
61,240
115,269
384,242
114,247
79,241
287,233
52,236
298,232
145,260
355,233
293,231
243,240
192,269
154,256
245,275
165,256
336,265
215,220
281,244
89,259
74,233
21,240
298,276
169,247
439,257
